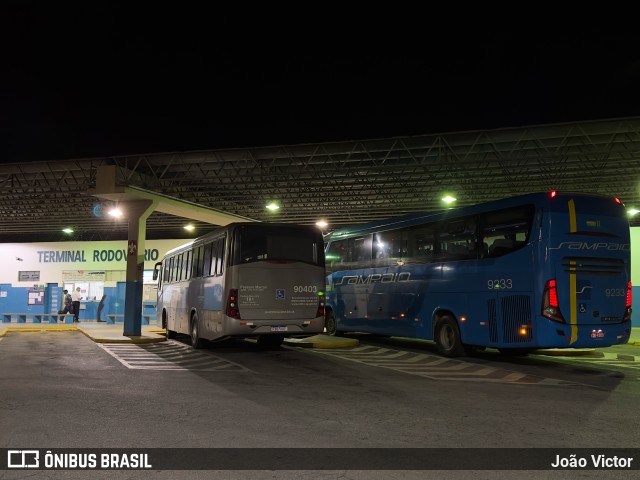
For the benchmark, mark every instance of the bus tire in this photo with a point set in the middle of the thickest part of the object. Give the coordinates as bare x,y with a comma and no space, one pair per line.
270,341
169,333
447,337
196,341
330,324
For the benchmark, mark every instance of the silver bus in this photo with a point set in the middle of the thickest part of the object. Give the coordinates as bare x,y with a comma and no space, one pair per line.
251,280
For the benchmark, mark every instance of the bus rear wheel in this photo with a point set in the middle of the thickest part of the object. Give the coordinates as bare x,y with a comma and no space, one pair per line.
447,337
330,324
196,341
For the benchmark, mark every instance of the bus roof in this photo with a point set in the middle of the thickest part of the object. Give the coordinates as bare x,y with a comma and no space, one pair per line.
232,226
423,217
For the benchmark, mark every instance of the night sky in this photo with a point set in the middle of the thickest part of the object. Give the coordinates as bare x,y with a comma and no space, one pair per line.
108,80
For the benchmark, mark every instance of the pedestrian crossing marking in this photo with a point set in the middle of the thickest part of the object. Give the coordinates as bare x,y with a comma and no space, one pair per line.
169,355
433,367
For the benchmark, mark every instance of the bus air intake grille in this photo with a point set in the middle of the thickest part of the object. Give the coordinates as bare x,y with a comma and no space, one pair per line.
516,318
493,325
593,266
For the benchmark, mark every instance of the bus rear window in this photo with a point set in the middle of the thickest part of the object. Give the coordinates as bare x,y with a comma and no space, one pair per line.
259,243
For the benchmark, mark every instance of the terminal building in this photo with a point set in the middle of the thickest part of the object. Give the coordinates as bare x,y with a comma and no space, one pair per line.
338,183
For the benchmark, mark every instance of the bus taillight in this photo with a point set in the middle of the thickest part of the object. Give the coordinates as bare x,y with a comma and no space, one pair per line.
232,304
550,305
627,311
320,312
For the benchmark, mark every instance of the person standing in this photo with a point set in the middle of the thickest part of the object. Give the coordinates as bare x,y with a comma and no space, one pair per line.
68,305
100,307
76,297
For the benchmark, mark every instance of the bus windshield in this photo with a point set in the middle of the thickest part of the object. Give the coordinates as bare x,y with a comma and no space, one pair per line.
254,243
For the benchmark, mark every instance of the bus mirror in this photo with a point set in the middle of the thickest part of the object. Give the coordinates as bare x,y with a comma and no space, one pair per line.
156,270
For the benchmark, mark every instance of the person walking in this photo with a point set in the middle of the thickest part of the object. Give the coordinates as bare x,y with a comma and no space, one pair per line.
101,307
68,305
76,297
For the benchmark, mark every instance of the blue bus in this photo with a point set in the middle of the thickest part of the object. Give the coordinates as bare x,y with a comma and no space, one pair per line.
543,270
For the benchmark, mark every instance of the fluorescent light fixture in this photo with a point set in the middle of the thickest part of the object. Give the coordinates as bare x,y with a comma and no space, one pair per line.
273,207
115,212
67,230
632,211
449,199
189,228
321,224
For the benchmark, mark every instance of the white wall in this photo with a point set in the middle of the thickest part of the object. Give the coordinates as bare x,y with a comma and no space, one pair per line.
51,259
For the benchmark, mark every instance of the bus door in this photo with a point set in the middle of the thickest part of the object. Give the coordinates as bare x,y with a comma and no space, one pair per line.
157,275
507,265
391,301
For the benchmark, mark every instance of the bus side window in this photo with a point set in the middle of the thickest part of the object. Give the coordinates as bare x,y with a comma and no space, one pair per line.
179,266
206,261
360,250
220,267
388,248
214,256
457,239
186,260
197,262
505,231
336,254
166,270
420,244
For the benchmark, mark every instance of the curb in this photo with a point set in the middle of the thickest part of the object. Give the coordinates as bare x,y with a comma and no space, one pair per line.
565,352
73,328
49,328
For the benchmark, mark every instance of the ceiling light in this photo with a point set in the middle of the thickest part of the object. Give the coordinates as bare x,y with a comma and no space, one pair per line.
321,224
632,211
115,212
189,228
449,199
273,207
67,230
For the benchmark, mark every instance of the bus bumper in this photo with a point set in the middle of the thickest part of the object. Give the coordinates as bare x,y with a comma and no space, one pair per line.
588,336
246,328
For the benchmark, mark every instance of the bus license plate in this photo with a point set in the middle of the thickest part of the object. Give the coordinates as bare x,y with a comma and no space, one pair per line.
279,328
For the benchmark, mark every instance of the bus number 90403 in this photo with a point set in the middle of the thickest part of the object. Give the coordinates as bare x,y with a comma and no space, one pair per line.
305,289
499,284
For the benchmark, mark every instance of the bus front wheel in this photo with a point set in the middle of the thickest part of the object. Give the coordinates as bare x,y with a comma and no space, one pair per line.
196,341
447,337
